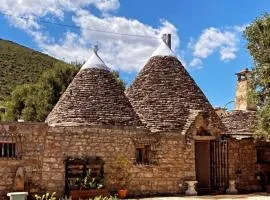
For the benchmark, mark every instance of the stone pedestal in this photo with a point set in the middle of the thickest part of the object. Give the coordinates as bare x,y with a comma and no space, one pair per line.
231,189
17,195
191,188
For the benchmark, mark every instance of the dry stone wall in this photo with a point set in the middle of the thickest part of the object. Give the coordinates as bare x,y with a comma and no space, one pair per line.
243,165
239,122
164,95
175,162
95,98
45,149
33,137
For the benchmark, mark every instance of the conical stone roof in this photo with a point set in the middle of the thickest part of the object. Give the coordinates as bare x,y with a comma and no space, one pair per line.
95,62
93,98
164,95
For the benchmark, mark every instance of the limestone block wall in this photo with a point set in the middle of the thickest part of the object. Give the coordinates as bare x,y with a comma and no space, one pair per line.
243,164
33,136
44,150
175,161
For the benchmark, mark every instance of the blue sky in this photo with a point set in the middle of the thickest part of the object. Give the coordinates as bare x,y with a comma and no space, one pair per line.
207,34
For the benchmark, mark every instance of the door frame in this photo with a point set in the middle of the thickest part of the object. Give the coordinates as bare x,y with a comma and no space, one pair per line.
208,139
208,164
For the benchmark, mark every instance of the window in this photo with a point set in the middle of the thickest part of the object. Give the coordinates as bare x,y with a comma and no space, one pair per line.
143,155
263,155
7,150
83,173
146,150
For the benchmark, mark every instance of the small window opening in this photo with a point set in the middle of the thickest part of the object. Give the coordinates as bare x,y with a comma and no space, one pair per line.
143,155
263,155
7,150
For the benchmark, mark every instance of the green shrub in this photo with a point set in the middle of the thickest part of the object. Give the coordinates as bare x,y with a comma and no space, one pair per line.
118,172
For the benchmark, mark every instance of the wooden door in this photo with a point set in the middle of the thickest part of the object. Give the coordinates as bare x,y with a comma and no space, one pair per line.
202,165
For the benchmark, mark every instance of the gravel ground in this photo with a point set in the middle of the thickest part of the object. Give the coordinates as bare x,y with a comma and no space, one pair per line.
256,196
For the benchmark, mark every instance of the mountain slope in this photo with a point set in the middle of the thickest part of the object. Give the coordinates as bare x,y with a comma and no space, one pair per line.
19,64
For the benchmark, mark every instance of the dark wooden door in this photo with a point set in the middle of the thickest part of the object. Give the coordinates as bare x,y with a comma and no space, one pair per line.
202,164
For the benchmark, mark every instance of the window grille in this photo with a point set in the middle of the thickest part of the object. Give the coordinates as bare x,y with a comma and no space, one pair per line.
143,155
10,145
146,150
7,150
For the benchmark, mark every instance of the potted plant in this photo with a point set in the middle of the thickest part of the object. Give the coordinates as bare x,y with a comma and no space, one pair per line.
119,175
88,186
89,182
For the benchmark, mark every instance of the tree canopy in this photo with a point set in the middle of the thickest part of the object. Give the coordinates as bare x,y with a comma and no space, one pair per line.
258,44
119,80
33,102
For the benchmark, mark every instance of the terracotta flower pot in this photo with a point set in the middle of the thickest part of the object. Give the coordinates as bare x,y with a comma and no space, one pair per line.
122,194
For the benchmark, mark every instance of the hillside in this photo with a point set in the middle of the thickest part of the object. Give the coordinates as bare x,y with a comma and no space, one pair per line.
19,64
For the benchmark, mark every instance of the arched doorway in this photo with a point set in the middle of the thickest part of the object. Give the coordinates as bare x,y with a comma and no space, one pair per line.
211,158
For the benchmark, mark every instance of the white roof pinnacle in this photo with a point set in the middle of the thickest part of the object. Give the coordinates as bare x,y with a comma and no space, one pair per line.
163,50
95,61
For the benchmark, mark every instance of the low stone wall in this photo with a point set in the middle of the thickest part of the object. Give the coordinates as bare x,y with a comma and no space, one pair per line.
44,150
175,162
33,136
243,165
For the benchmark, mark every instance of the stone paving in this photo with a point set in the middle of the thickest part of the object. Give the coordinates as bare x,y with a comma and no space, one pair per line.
256,196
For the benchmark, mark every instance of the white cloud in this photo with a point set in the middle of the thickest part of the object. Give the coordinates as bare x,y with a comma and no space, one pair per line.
227,53
213,39
56,8
224,41
24,14
195,62
106,5
240,28
118,51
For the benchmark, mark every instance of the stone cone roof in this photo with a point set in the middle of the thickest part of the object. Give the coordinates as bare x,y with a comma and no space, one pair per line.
239,122
93,98
165,96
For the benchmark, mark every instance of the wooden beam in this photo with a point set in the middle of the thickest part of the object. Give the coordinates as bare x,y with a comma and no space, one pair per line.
198,137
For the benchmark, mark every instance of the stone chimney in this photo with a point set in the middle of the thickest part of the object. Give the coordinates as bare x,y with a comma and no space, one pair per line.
167,38
243,87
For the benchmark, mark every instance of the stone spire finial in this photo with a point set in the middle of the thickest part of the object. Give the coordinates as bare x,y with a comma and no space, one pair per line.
95,49
167,38
95,61
164,48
